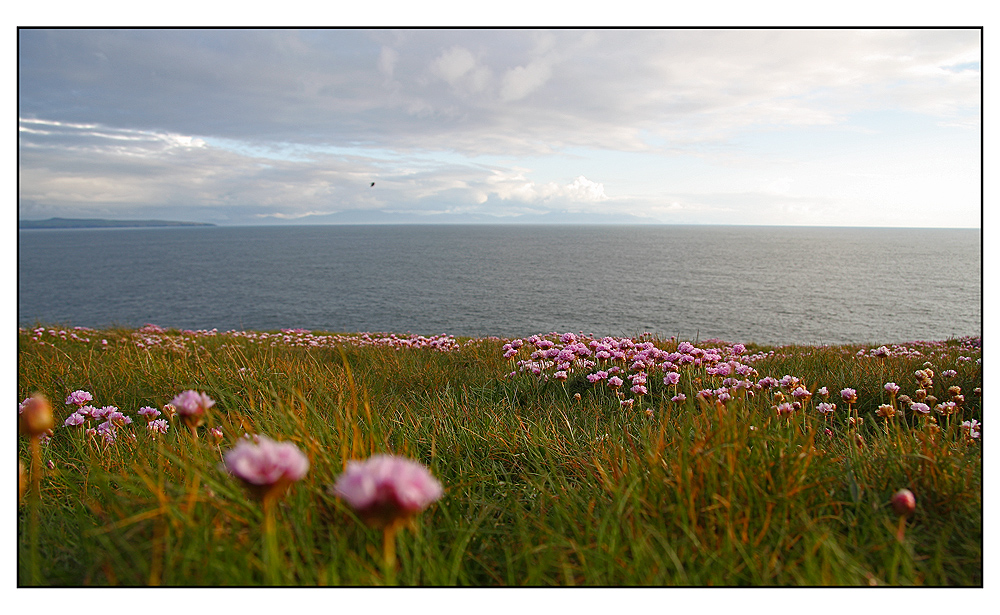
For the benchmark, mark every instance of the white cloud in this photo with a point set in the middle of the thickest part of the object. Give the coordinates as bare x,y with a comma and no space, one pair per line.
523,80
514,186
387,61
453,64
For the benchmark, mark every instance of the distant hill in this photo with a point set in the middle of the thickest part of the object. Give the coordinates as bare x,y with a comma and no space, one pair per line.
382,217
100,223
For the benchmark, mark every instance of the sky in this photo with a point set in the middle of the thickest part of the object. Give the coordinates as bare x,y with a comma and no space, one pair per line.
844,127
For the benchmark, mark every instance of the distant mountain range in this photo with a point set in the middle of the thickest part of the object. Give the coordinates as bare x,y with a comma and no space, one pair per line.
383,217
100,223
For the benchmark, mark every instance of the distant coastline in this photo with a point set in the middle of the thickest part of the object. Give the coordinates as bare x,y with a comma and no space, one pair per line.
100,223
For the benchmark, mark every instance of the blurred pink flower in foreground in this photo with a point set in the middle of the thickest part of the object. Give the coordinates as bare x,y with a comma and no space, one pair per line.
191,406
385,489
903,502
266,468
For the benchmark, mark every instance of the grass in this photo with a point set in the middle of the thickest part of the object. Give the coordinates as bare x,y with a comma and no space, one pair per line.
549,481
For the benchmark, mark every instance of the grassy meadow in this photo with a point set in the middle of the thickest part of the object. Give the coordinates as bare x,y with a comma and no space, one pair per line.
565,460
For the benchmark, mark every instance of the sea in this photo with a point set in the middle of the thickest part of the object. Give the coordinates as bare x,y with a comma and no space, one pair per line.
767,285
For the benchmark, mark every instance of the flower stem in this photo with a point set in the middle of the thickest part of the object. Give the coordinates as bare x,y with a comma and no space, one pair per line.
270,544
389,553
34,501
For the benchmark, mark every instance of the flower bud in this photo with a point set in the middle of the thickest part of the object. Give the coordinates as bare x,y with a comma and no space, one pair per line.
903,502
36,417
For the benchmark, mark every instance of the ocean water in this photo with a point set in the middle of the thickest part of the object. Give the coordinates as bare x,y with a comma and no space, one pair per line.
771,285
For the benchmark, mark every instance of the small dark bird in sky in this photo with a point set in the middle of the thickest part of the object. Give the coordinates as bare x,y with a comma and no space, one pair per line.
372,186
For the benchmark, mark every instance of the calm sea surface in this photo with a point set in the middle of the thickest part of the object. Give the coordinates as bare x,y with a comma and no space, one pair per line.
742,284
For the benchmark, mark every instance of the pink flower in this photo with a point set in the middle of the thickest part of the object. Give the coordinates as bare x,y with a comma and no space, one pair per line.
191,406
891,388
614,382
767,382
920,408
671,379
903,502
849,395
74,419
148,413
79,398
268,467
385,489
102,413
825,408
679,398
973,427
801,392
157,426
639,389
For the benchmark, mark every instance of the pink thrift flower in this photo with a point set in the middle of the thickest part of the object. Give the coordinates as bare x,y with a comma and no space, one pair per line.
679,398
639,389
158,426
615,382
671,379
191,406
825,408
767,382
921,408
148,413
849,395
74,419
823,391
973,427
268,467
385,489
79,398
800,393
891,388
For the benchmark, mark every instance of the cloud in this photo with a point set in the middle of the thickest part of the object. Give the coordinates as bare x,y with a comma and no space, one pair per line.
570,88
235,124
523,80
453,63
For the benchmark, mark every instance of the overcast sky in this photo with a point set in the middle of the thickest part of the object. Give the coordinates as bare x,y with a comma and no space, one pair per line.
798,127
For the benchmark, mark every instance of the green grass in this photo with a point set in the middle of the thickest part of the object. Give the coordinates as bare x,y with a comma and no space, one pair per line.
542,488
